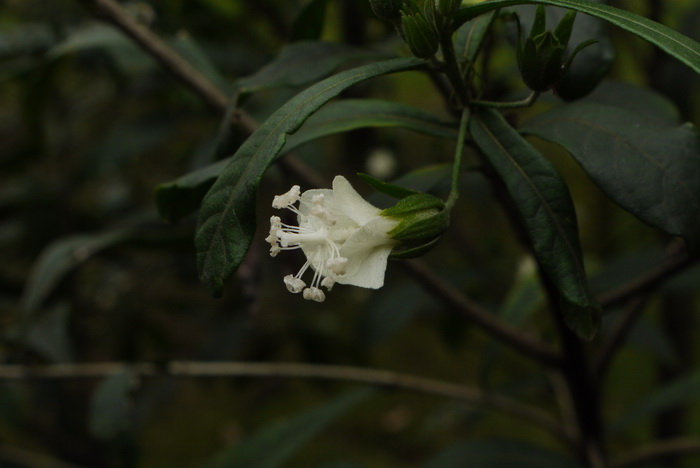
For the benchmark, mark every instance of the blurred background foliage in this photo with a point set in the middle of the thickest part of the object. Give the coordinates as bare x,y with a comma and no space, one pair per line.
90,125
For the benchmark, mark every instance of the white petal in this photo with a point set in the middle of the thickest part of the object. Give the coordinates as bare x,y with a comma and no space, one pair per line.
367,252
308,196
347,201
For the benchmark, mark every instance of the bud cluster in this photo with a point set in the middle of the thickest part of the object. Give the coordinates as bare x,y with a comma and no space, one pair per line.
419,27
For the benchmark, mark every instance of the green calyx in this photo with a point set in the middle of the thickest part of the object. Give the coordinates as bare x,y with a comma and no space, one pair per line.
422,220
541,54
420,34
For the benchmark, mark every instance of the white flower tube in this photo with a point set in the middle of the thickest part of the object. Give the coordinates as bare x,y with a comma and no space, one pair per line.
345,239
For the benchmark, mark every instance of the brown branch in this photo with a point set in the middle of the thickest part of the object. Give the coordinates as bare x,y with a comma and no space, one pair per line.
646,281
489,322
380,378
680,446
167,57
636,294
617,335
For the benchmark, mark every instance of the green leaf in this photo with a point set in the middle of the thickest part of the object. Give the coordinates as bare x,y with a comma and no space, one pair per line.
351,114
227,217
470,37
501,453
678,392
101,36
302,63
180,197
109,409
58,259
636,99
543,201
392,190
277,443
676,44
648,167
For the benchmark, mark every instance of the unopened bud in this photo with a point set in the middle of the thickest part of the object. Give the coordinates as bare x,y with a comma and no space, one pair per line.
422,220
419,34
541,54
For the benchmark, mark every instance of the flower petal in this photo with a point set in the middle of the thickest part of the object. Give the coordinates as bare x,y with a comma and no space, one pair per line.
367,252
350,203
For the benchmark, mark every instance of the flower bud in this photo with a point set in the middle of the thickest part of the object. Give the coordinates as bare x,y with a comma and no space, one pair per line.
541,54
419,34
422,218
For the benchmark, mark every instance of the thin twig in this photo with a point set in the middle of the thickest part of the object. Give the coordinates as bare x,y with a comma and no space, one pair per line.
650,452
617,336
381,378
648,280
167,57
489,322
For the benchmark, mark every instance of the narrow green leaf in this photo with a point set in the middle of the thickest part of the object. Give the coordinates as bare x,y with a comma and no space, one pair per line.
302,63
676,44
544,203
392,190
182,196
678,392
648,167
227,217
58,259
351,114
102,36
470,36
501,453
278,443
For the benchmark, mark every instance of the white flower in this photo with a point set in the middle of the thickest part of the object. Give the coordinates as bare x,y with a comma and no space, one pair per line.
344,238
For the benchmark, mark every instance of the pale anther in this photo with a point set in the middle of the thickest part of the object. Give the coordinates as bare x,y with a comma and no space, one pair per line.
314,294
337,265
294,284
289,198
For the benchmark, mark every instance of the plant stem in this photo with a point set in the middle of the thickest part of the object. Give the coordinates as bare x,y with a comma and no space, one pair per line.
585,397
381,378
489,323
457,164
452,70
527,102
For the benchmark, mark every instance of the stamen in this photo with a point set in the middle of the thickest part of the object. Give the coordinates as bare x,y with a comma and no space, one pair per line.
328,283
314,294
337,265
294,284
289,198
